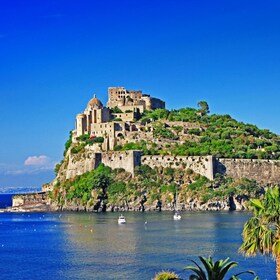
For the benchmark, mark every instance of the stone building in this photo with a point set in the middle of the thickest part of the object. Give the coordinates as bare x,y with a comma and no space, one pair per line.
94,113
112,125
132,100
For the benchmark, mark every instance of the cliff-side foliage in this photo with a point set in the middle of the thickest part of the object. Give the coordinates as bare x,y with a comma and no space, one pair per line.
104,187
84,140
218,135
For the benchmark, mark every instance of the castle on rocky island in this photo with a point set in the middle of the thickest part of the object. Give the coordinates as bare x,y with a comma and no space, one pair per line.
118,124
123,109
106,135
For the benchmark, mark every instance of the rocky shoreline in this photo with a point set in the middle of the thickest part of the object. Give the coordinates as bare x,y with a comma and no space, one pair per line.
194,205
39,202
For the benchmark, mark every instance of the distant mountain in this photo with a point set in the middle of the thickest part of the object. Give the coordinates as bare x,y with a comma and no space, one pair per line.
18,190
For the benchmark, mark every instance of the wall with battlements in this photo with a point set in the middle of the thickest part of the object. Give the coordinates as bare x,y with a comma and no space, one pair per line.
266,171
201,165
127,160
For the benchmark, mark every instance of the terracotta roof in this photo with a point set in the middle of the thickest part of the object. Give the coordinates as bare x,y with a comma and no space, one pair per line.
95,102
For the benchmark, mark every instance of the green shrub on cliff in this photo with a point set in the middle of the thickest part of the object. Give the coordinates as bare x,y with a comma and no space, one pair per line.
199,183
83,137
161,131
68,143
86,139
57,167
116,188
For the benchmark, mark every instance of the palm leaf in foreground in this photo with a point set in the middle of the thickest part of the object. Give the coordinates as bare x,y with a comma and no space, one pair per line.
213,271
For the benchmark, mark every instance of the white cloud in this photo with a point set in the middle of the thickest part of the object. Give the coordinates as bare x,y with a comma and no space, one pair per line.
37,161
32,165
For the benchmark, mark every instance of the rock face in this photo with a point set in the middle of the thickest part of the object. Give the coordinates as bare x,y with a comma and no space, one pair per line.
143,204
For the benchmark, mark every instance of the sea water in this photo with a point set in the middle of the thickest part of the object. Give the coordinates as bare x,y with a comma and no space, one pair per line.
93,246
5,200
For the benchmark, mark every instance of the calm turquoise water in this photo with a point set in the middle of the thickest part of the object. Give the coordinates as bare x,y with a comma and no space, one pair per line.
93,246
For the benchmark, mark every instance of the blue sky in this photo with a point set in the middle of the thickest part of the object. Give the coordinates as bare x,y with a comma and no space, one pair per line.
54,55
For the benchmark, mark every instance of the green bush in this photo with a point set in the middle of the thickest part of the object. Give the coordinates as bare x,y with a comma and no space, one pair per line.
83,137
57,167
78,148
116,110
166,275
116,188
97,140
68,143
199,183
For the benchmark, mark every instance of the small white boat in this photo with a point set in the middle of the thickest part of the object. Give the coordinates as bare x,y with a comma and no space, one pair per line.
177,216
121,220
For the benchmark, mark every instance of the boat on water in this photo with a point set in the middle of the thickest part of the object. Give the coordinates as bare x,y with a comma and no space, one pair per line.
177,216
121,220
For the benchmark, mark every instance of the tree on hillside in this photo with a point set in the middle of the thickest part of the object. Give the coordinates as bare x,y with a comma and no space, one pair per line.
261,233
101,177
203,108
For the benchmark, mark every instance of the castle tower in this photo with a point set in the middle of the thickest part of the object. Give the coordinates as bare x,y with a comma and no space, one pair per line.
81,124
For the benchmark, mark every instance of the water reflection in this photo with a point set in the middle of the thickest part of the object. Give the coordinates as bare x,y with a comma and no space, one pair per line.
85,246
111,251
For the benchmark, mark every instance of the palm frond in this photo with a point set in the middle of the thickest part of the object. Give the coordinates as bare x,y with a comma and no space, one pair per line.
226,268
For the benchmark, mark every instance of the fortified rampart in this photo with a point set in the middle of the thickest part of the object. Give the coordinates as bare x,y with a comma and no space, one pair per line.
79,165
267,171
127,160
29,199
201,165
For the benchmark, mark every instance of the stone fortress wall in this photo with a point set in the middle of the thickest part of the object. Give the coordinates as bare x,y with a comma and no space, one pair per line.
201,165
19,200
266,171
127,160
78,166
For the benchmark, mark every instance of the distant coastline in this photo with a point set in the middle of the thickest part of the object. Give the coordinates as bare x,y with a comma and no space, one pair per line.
19,190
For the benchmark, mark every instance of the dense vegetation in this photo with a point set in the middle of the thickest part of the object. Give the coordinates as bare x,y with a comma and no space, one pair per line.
84,140
218,135
113,187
